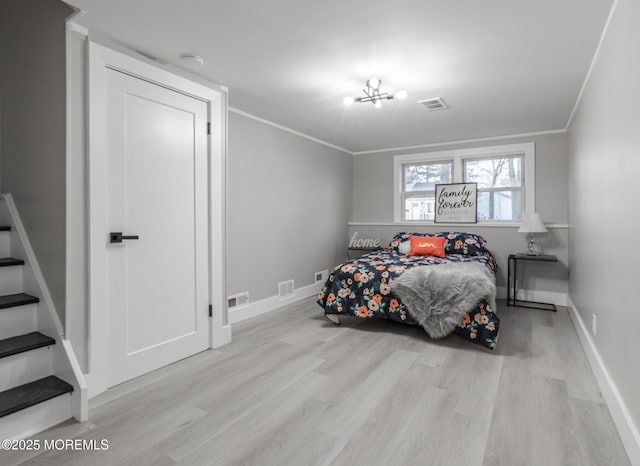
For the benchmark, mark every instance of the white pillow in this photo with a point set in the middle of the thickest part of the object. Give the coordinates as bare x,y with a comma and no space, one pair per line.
404,247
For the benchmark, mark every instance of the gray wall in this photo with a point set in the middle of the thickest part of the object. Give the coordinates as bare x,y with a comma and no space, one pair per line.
33,143
373,204
289,203
604,164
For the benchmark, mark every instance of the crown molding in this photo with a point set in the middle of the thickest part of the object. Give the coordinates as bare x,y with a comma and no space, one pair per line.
393,149
72,21
593,64
462,141
289,130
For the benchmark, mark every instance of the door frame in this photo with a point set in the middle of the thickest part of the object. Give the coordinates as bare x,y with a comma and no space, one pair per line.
101,59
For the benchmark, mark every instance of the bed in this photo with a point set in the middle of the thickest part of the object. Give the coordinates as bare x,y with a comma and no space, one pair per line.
368,287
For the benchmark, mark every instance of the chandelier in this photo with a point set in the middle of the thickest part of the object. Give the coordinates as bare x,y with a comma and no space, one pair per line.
372,94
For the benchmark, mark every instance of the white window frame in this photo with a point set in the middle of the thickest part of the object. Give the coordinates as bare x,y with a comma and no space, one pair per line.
526,150
403,198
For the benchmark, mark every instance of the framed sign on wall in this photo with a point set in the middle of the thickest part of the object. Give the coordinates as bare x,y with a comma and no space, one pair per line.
456,203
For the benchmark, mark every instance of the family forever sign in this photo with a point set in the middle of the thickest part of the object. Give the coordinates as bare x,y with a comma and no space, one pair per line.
456,203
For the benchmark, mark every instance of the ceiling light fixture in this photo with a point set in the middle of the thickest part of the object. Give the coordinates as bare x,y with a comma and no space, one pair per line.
373,94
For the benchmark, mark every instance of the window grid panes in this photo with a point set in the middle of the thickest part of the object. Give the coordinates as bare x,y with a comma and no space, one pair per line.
500,186
418,187
504,174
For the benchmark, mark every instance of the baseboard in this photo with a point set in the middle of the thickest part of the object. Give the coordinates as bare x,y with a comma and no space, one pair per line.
220,336
621,417
271,304
554,297
275,302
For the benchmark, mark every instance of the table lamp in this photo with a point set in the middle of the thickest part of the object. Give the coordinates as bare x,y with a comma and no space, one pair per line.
532,223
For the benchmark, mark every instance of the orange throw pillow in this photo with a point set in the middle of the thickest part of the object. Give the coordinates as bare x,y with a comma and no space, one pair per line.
427,246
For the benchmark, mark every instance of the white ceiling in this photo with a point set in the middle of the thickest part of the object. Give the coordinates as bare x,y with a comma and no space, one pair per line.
503,66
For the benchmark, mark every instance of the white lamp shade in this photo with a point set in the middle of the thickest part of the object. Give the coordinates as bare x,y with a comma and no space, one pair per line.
373,83
532,223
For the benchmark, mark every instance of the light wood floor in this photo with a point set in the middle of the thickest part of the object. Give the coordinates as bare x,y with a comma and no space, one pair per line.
293,389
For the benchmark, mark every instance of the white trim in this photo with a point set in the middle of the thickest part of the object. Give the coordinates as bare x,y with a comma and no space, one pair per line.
107,42
527,149
462,141
80,396
100,59
220,333
394,149
622,418
457,225
76,27
72,20
263,306
596,54
289,130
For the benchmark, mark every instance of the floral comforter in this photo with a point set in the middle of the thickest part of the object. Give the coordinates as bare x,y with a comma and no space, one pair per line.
361,288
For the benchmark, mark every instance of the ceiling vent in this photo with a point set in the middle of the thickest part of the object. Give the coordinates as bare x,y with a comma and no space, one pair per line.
433,104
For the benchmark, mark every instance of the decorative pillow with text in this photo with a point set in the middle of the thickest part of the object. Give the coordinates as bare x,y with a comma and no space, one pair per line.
466,244
427,246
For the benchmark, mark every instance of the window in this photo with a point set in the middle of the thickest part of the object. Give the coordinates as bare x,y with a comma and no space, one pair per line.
504,174
500,186
419,187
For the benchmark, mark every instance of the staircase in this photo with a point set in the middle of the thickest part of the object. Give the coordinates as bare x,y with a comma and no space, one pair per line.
32,354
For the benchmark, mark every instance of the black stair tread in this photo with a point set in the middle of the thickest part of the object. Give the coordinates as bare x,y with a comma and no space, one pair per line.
22,343
5,228
18,299
32,393
7,261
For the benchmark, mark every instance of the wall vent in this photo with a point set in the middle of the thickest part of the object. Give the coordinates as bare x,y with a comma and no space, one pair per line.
320,276
433,104
237,300
285,289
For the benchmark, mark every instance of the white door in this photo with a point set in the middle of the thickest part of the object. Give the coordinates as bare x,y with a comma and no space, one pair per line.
157,190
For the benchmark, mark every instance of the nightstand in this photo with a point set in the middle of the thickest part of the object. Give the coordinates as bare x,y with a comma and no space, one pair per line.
511,281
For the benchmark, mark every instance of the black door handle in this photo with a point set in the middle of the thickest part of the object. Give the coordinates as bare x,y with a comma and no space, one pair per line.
118,237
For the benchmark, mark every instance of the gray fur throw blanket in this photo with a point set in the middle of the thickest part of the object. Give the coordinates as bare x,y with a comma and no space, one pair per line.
437,296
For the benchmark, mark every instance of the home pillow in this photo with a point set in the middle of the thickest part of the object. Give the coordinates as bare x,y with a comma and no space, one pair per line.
427,246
